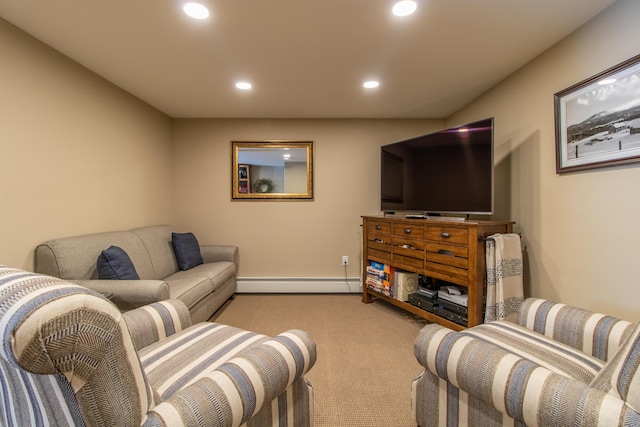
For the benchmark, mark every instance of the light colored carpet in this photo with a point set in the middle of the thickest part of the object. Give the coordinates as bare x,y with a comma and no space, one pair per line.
365,364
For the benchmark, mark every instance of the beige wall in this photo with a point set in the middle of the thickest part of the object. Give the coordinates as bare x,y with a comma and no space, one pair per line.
580,229
289,239
77,154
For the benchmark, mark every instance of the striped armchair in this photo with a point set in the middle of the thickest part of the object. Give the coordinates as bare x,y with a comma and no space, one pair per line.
70,357
556,366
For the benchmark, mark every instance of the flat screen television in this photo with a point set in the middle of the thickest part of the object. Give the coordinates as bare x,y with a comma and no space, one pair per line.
446,172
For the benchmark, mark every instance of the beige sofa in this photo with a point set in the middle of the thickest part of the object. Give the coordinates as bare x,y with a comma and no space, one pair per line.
203,289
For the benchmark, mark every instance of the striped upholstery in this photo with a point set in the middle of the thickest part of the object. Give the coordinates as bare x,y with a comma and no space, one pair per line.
21,392
544,351
153,322
148,366
242,375
79,342
621,376
592,333
501,373
184,357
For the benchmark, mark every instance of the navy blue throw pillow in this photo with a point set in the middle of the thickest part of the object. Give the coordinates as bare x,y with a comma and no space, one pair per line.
187,250
115,264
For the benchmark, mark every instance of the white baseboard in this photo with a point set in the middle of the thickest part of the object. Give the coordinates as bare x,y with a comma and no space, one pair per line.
315,285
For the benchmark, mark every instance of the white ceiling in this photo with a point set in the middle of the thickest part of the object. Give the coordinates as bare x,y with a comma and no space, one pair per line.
305,58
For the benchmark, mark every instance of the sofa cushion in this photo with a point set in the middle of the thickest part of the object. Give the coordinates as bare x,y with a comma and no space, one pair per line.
620,376
542,350
189,287
156,239
187,250
218,272
114,264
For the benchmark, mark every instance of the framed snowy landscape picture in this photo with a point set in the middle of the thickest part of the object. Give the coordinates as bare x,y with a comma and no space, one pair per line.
598,120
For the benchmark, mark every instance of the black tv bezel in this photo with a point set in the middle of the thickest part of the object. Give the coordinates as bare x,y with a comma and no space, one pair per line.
437,212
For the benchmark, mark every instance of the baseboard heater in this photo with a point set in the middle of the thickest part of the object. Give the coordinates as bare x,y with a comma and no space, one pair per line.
313,285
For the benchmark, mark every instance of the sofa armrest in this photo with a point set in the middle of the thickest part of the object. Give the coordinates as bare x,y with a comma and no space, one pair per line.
129,294
527,392
592,333
217,253
236,390
153,322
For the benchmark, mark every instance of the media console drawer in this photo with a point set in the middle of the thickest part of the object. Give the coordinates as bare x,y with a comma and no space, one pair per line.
441,253
380,256
408,263
414,231
408,252
383,227
448,234
401,242
379,241
459,276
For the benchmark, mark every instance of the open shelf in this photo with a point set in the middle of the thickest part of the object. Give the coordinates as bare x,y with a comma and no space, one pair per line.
431,317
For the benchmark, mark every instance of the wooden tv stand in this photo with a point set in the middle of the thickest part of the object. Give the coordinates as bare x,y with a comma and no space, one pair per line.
453,251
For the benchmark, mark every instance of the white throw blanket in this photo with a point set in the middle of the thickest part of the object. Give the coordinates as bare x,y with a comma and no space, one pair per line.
505,291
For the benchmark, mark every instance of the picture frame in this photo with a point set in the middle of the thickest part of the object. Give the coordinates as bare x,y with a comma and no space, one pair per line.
272,170
597,121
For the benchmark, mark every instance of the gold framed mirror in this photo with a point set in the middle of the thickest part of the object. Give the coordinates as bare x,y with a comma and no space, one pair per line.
273,169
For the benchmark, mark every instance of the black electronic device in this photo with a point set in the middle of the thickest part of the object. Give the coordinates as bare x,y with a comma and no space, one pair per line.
453,307
422,301
450,171
454,317
429,293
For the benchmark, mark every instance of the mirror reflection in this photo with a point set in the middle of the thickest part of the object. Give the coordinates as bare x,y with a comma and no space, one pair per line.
272,170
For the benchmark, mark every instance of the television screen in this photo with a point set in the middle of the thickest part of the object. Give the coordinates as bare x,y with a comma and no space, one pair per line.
450,171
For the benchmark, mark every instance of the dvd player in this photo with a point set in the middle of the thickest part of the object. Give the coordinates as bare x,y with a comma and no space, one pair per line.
429,293
422,302
455,308
454,317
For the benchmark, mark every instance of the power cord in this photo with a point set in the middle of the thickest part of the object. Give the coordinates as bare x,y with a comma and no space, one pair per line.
346,278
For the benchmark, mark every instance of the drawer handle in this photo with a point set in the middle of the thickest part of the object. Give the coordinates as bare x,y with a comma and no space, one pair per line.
407,231
445,235
378,227
378,240
445,252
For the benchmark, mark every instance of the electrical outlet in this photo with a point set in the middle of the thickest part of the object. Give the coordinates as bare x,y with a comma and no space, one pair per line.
345,260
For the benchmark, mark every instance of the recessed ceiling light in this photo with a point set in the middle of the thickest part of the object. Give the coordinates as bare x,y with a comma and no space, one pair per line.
371,84
243,85
404,8
196,10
